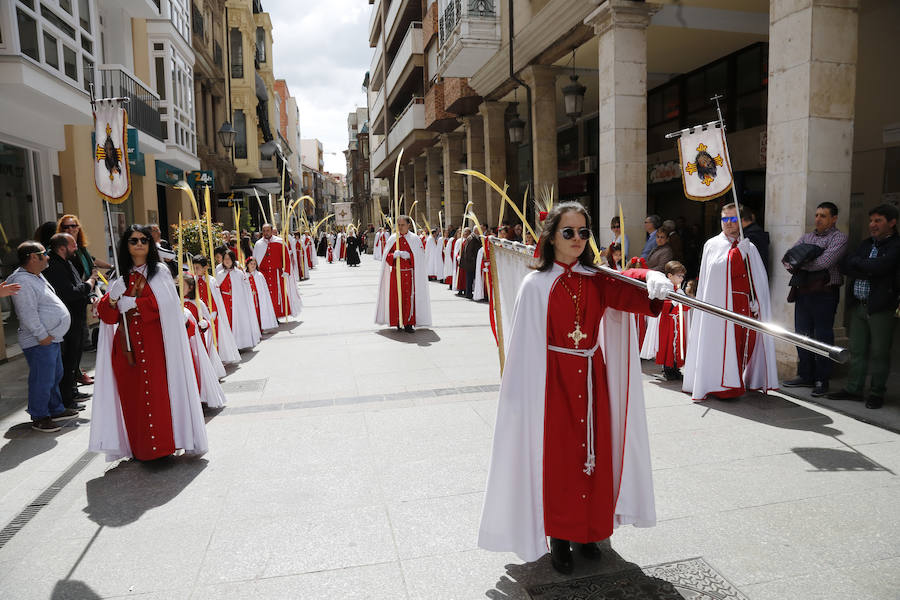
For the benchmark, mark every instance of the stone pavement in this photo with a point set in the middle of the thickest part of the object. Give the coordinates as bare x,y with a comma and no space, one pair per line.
350,463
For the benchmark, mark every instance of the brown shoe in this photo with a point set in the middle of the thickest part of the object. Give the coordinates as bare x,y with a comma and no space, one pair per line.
84,379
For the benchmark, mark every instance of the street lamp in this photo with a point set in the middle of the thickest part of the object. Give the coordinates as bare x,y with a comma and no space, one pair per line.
226,135
516,129
573,94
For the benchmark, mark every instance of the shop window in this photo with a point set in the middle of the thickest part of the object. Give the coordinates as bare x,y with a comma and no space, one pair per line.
236,40
51,51
240,139
70,63
28,38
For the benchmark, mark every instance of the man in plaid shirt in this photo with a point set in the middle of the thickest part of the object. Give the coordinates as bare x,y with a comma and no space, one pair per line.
873,272
816,301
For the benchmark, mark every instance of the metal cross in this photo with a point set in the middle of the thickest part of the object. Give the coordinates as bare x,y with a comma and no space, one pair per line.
577,335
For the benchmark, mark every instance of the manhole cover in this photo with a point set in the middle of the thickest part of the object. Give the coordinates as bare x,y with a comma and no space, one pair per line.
690,579
248,385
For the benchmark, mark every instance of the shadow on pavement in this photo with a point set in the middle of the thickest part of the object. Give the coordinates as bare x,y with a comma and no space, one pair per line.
25,443
420,337
611,575
67,589
123,494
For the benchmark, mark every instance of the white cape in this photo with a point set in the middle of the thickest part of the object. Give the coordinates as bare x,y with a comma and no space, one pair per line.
108,433
211,351
478,285
512,519
421,295
290,283
243,315
651,338
211,392
448,258
711,362
266,308
227,346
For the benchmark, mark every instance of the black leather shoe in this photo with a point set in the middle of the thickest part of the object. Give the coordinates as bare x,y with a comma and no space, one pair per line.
875,402
798,382
399,328
591,551
80,396
561,556
409,329
820,389
843,395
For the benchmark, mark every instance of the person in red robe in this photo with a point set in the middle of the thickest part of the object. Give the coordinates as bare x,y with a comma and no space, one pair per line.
570,457
271,255
146,400
412,306
672,327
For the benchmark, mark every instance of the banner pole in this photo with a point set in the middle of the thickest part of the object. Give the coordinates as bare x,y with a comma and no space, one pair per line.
115,256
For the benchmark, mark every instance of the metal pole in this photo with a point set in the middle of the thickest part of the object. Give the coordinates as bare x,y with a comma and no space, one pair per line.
835,353
115,257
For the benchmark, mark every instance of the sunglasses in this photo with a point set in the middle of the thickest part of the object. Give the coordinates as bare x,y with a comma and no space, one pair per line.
729,219
70,226
138,240
615,227
568,233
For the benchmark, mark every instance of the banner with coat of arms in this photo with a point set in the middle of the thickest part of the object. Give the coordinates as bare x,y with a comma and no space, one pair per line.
343,213
705,165
112,177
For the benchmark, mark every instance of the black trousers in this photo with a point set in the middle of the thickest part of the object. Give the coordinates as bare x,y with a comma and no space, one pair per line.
470,282
814,317
72,347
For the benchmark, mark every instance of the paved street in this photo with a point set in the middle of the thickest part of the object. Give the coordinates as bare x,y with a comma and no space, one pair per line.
350,463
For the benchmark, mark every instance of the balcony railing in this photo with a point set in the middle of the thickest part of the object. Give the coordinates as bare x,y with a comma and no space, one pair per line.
377,106
143,110
457,9
379,154
376,58
411,45
412,117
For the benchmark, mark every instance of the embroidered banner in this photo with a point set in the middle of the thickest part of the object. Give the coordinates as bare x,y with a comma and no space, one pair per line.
112,176
343,213
704,162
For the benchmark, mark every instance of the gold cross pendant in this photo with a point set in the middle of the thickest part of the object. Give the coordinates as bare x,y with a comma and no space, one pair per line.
577,335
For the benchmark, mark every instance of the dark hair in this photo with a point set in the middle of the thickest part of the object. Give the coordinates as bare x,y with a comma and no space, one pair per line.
125,261
59,240
551,225
44,232
673,267
831,206
614,222
190,290
610,259
200,260
26,249
655,220
229,254
888,211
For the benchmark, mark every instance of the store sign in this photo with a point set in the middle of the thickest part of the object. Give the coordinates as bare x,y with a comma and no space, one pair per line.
200,179
168,174
135,157
664,171
231,200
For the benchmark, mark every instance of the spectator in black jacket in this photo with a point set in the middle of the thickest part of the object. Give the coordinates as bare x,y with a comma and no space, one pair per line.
756,234
467,259
873,290
76,295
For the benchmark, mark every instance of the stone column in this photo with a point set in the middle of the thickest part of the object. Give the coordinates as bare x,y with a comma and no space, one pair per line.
621,26
542,79
434,159
494,116
475,160
454,202
812,85
419,176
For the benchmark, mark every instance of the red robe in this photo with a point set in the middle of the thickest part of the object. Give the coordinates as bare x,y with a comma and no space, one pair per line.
143,387
744,339
330,254
274,264
255,300
407,285
577,506
202,296
460,272
225,289
672,338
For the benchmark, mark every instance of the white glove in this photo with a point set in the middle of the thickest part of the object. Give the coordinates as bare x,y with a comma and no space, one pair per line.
658,285
744,246
203,324
116,289
754,308
126,303
402,254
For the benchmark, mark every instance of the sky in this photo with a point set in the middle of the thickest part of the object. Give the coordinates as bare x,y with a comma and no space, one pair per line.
322,50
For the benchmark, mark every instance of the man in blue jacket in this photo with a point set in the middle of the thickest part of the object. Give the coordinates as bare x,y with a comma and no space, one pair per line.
43,322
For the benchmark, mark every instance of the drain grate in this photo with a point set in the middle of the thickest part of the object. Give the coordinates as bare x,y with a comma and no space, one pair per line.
247,385
44,498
